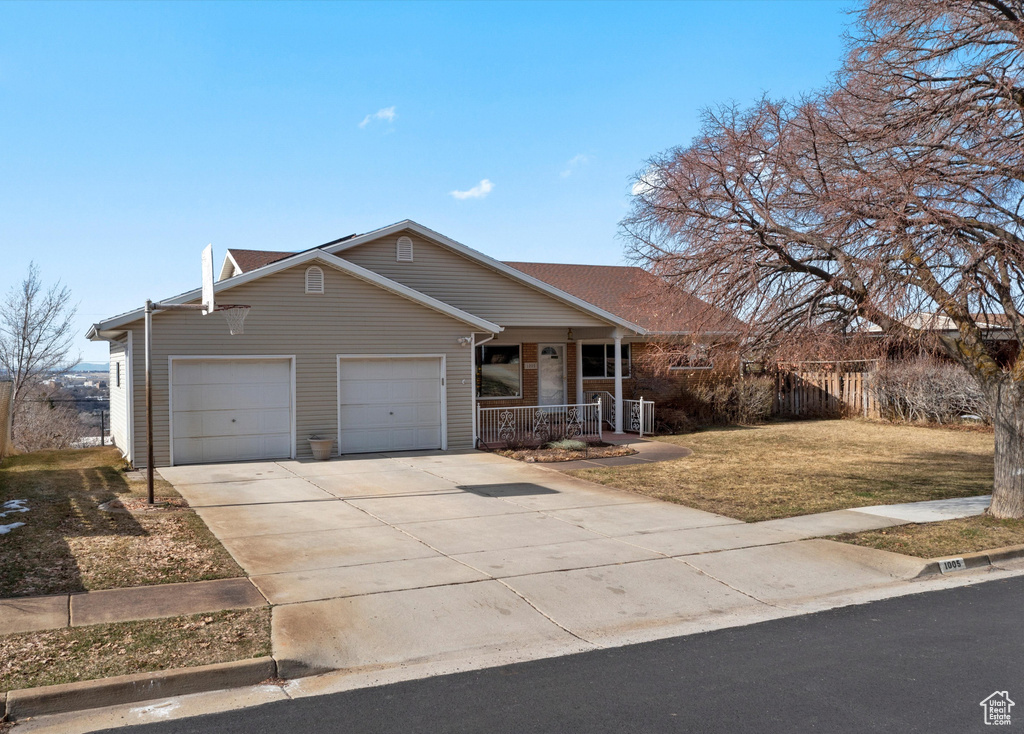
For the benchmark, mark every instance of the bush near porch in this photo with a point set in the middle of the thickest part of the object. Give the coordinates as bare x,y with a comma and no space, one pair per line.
789,468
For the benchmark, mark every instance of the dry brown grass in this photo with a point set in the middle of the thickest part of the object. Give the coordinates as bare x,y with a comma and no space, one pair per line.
105,650
940,539
68,544
796,468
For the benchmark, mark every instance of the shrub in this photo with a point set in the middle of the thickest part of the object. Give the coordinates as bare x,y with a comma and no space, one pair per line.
746,400
567,444
929,390
670,419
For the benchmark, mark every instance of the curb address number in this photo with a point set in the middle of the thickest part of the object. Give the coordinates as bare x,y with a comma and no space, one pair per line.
952,564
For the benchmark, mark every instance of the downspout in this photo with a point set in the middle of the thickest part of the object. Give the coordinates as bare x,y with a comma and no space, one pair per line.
473,344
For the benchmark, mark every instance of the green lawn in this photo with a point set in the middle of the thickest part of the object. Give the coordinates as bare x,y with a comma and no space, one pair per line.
790,468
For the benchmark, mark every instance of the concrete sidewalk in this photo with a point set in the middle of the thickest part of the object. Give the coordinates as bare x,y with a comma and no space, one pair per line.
32,614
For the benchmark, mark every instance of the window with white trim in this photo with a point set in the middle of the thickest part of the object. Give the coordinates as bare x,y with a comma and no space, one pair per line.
403,250
498,373
599,361
314,279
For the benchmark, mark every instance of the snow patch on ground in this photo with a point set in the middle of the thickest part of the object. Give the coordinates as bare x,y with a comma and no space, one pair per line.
10,507
13,506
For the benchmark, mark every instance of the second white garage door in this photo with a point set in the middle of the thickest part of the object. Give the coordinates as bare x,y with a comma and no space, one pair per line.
389,404
231,409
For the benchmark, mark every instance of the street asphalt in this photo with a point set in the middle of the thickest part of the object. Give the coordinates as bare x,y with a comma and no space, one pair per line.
918,663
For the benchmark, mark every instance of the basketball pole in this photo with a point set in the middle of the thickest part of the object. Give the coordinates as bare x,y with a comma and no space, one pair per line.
151,308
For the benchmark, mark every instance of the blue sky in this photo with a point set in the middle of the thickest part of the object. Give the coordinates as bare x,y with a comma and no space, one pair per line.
131,135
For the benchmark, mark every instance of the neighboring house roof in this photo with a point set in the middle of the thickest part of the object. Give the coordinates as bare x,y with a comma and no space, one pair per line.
634,294
112,324
246,260
929,321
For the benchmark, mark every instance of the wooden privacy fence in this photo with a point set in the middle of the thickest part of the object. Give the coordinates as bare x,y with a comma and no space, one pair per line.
819,393
6,406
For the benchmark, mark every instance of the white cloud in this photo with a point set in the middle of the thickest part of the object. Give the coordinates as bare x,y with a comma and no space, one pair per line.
479,191
387,114
575,162
648,181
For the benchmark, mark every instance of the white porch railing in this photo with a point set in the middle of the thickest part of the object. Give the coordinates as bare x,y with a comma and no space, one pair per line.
607,401
539,423
639,415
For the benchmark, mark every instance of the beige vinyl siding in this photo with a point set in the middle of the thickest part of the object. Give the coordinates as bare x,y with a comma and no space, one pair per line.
119,395
351,317
456,280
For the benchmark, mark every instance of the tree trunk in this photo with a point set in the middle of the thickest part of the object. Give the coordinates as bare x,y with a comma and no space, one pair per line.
1008,420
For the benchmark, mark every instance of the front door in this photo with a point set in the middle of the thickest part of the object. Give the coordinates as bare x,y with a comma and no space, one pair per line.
551,374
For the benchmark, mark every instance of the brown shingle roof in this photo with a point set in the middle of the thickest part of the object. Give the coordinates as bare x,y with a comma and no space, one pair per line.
251,259
633,294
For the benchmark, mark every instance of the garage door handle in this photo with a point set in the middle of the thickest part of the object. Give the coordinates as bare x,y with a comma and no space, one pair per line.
390,413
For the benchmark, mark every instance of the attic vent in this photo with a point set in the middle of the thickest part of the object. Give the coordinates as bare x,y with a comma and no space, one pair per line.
404,250
314,280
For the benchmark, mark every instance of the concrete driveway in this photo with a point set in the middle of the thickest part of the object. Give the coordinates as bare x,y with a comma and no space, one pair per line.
380,561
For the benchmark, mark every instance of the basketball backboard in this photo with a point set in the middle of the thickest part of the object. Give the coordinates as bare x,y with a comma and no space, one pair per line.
208,301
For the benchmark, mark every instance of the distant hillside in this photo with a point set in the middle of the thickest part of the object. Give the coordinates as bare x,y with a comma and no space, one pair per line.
91,367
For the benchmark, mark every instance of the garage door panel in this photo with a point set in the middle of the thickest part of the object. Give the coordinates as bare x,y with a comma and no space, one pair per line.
231,410
411,369
391,404
409,390
187,397
360,391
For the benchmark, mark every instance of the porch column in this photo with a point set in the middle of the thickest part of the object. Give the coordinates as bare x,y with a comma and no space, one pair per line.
618,384
579,373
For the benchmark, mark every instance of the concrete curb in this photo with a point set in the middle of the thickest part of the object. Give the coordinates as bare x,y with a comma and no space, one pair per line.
135,688
977,560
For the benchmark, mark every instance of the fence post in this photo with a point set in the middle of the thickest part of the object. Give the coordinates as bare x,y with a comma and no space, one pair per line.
600,421
641,416
103,428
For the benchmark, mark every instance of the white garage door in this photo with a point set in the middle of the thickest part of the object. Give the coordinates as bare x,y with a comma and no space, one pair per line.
231,410
389,404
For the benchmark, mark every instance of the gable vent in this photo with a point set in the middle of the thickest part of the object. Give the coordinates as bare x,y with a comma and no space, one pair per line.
314,280
404,250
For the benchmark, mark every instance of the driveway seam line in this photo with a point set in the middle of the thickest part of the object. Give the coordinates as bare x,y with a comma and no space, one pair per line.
730,586
490,577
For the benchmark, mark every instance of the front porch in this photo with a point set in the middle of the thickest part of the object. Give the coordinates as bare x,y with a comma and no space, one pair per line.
534,385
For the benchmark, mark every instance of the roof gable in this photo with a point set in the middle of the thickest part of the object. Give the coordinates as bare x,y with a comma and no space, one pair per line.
480,259
306,257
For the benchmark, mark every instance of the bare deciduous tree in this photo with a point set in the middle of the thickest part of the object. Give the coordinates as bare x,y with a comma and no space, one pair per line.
896,192
36,332
46,421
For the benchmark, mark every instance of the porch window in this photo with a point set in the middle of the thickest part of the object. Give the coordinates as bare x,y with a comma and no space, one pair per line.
497,371
599,360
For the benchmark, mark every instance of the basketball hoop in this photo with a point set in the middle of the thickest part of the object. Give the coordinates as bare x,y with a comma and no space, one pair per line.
235,316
